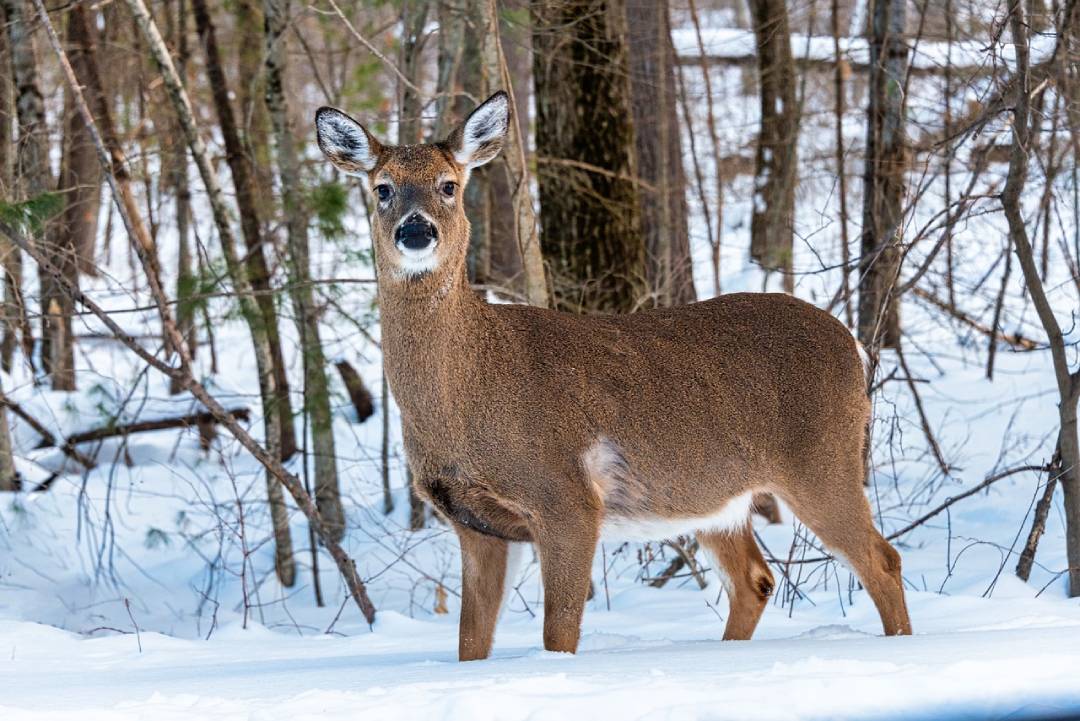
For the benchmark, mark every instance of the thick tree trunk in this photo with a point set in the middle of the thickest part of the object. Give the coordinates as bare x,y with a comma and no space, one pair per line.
590,214
883,178
659,153
773,219
244,178
317,389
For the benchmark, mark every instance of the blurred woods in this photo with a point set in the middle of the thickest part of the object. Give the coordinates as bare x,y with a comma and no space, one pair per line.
158,162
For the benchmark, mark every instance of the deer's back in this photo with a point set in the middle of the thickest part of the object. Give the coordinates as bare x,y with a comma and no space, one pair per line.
742,380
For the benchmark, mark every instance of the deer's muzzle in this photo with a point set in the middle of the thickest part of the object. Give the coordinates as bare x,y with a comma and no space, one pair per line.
416,233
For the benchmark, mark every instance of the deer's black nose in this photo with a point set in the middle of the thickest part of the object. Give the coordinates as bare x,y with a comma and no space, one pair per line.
416,233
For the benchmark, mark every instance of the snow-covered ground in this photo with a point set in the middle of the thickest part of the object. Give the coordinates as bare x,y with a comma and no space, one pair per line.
143,589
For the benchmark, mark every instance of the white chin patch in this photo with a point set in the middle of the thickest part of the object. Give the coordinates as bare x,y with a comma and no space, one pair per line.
416,262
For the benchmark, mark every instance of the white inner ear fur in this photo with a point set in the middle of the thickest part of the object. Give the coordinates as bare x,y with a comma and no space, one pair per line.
487,124
343,140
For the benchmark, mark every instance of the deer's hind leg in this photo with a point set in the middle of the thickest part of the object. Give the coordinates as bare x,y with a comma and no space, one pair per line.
483,575
834,506
745,575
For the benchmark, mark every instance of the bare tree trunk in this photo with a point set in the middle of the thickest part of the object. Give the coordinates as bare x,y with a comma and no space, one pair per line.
82,182
414,15
9,477
659,153
773,219
10,256
88,73
590,213
75,233
317,389
883,178
178,177
7,115
526,233
461,47
506,267
1011,200
714,143
244,178
32,170
840,74
1038,521
239,274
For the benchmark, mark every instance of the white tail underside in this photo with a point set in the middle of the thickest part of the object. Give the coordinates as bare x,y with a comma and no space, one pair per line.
734,515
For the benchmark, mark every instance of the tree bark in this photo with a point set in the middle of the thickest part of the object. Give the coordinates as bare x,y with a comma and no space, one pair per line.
526,236
659,153
7,115
1011,200
244,179
177,158
75,232
590,213
9,477
317,389
414,15
840,74
506,267
1038,522
883,178
773,219
83,181
32,171
239,275
12,312
461,47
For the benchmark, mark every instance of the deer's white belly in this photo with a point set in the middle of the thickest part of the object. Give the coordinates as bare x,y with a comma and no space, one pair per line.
735,514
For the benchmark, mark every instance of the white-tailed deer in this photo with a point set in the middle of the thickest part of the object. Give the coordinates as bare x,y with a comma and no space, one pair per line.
526,424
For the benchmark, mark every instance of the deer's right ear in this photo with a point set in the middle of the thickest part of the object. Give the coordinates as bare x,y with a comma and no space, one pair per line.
346,142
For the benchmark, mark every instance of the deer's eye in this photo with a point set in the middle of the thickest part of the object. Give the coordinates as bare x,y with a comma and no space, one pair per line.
448,188
383,192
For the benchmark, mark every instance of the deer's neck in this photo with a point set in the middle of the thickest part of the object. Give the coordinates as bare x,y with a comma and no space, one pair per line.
431,329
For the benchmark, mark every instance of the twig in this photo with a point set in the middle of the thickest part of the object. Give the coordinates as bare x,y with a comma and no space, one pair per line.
1014,339
953,499
138,636
923,420
372,49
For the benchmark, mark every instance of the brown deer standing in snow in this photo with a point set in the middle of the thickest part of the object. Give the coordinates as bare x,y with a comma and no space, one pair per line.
526,424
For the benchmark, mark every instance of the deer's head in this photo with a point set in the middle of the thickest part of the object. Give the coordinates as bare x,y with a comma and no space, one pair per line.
419,223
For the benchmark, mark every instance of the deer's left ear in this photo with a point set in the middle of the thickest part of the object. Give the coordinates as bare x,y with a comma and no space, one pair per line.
480,138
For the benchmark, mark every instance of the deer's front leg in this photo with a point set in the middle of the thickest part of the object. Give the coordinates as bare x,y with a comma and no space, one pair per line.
566,546
483,574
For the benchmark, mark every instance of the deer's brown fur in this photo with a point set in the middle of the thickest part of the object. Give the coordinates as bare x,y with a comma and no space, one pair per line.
526,424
